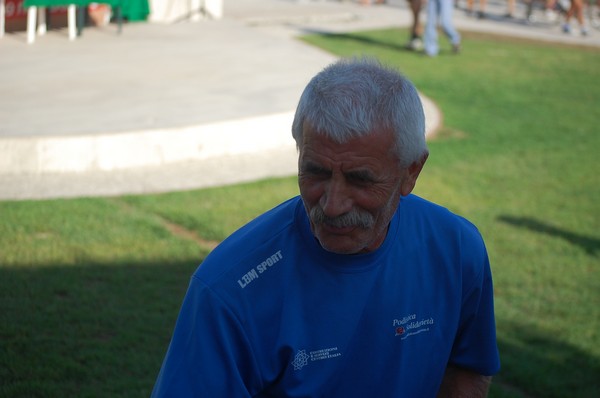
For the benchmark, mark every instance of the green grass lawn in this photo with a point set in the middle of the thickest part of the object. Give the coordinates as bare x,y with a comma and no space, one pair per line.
90,288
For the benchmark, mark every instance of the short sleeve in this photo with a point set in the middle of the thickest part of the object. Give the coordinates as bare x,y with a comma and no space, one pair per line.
475,346
209,354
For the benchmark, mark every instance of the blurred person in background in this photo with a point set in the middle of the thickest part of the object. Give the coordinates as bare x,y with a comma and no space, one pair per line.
576,10
440,11
481,9
415,42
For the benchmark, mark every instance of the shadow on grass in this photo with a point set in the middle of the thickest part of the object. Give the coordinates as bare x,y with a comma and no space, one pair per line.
542,365
96,330
364,40
590,244
101,330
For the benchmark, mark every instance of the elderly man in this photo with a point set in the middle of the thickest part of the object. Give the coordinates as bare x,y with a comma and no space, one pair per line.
357,288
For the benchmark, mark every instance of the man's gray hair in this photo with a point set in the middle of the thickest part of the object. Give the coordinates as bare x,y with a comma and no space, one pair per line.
359,96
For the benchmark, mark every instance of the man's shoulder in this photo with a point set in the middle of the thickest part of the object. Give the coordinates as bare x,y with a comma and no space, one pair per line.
425,213
424,207
456,239
251,241
265,226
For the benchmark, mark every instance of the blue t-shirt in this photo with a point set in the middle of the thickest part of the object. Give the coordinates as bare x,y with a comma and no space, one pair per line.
270,313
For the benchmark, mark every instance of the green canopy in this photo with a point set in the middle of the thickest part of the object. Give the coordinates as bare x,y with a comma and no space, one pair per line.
132,10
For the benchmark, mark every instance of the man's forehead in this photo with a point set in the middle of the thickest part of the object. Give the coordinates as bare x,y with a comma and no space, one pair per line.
377,140
366,152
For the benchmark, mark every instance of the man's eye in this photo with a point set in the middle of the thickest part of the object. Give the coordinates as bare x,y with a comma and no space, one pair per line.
359,178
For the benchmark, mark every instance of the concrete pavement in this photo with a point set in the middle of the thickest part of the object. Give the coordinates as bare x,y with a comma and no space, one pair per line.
181,106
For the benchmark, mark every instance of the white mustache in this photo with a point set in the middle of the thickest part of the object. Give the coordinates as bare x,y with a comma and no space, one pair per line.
354,218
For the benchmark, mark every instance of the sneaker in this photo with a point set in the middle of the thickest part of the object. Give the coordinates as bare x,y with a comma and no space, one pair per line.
416,44
551,16
456,49
566,28
584,32
480,15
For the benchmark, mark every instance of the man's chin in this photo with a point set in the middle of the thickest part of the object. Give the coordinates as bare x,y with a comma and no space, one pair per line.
339,244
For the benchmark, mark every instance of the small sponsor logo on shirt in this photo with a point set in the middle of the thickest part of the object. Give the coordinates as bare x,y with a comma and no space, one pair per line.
408,326
302,358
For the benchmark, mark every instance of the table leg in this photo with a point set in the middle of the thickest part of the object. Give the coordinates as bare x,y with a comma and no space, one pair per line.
31,22
2,16
80,19
72,22
41,16
119,19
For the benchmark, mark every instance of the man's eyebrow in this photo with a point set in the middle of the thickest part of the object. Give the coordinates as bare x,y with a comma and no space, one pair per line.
360,175
314,168
363,175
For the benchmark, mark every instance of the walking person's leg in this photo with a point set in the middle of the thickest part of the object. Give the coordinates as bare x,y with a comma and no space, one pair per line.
415,42
431,35
579,6
446,14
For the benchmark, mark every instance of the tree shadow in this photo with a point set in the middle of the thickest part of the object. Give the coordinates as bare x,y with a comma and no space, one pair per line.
590,244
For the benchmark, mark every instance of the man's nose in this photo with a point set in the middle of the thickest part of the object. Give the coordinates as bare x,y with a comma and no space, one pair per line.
336,199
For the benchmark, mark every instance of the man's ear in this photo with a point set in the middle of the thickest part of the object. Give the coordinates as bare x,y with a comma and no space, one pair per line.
412,173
